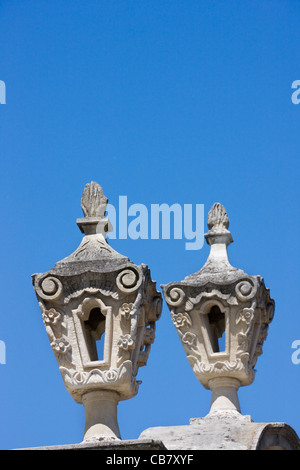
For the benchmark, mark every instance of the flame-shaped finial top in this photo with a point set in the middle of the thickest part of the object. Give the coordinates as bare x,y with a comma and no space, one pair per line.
94,204
93,201
218,223
217,218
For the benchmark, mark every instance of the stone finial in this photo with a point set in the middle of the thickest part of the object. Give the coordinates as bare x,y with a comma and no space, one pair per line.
217,218
94,204
100,311
221,315
218,223
93,201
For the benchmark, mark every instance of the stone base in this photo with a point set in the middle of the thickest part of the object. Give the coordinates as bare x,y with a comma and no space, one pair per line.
217,431
225,431
117,445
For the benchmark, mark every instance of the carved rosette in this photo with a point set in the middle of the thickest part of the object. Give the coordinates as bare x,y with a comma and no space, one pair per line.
127,305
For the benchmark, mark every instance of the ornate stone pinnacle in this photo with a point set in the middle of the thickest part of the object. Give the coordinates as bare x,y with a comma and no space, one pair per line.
93,201
222,316
100,311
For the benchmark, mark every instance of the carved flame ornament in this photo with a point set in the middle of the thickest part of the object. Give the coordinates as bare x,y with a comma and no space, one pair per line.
222,316
93,201
99,311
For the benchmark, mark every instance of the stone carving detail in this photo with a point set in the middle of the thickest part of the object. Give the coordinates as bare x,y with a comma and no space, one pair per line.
51,317
99,311
95,377
126,342
128,280
87,248
245,289
242,321
127,310
217,218
61,345
181,319
175,296
93,201
221,302
49,287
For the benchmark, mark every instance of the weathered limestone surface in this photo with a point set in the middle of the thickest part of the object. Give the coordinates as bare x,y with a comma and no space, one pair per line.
96,292
221,301
133,445
225,431
91,295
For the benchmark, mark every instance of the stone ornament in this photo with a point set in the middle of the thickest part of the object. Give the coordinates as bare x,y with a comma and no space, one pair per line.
97,297
220,301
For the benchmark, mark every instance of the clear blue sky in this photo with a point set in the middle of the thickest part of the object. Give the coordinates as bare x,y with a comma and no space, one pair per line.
163,101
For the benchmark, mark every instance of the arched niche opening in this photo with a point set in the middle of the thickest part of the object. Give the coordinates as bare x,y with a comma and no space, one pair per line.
216,329
94,329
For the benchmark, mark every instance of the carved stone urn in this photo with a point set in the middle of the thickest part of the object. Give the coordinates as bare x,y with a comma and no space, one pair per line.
221,315
99,310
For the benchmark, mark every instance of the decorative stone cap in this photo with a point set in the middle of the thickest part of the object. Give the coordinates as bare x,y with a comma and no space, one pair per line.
217,267
94,253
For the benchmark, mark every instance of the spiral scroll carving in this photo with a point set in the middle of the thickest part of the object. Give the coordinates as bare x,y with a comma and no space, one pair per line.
175,296
128,280
49,288
245,290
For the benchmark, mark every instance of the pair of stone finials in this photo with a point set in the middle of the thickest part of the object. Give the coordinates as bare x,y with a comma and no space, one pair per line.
98,293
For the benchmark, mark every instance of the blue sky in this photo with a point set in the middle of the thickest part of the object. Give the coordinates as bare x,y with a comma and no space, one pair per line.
165,102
